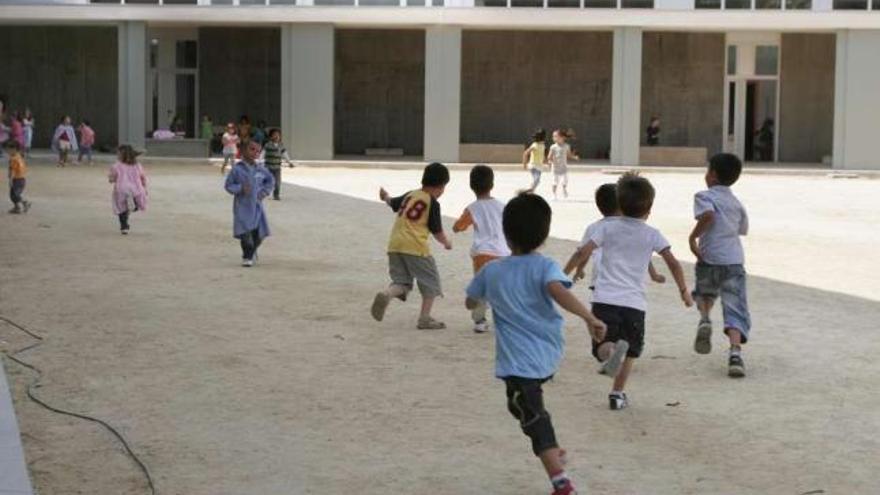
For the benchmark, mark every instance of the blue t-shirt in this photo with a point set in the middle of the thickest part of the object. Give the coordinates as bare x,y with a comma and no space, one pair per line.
528,327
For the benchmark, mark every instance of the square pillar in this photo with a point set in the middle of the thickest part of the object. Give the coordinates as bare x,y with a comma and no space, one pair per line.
442,93
856,106
132,45
308,57
626,96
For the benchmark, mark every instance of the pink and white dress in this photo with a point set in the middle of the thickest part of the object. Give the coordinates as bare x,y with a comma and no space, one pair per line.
129,187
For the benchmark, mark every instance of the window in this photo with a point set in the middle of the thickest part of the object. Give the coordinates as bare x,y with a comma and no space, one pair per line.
325,3
566,3
282,2
526,3
798,4
600,4
707,4
731,60
638,4
252,2
766,60
187,55
154,52
380,3
738,4
768,4
154,2
180,2
850,5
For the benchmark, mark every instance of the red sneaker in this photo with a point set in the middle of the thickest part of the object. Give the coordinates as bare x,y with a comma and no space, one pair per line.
568,489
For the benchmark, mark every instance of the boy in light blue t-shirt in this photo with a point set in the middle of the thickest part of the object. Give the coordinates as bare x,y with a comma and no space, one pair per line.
522,289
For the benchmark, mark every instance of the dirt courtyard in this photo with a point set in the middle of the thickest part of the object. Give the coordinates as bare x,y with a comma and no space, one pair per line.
274,380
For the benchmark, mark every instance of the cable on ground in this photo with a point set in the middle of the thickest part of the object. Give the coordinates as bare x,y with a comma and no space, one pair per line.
35,383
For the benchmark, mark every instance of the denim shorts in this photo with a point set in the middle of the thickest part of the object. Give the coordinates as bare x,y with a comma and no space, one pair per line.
729,282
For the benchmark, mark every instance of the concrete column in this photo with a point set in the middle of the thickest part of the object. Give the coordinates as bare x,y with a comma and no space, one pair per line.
308,56
442,93
132,42
856,106
626,96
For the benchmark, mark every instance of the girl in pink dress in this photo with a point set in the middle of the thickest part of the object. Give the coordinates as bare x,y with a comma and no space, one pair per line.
129,186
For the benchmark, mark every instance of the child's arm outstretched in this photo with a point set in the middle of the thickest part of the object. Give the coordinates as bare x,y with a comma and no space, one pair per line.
567,301
655,275
579,260
678,276
526,156
704,221
464,222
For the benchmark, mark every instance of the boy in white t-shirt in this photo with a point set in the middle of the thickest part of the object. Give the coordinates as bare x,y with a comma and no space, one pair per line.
627,245
485,214
560,152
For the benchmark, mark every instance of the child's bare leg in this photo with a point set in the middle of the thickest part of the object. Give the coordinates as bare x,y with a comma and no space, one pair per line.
552,461
623,375
735,338
703,341
394,290
605,351
380,302
705,306
427,304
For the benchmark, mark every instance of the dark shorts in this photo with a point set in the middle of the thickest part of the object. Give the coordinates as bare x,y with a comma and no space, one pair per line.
623,324
729,282
525,401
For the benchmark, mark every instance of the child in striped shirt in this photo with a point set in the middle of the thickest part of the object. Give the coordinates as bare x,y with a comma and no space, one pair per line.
273,153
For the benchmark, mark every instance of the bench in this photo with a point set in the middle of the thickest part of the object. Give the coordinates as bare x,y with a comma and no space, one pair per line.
673,156
184,148
490,153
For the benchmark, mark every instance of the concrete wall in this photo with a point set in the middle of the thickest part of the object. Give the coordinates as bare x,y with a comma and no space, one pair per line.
240,74
380,90
58,70
856,106
806,105
683,83
513,82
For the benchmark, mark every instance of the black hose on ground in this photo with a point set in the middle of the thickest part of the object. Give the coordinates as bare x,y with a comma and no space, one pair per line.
35,383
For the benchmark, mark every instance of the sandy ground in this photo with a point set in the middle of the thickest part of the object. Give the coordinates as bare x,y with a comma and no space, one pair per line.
274,380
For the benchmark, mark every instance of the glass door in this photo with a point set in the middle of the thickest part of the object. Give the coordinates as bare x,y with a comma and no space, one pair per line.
751,96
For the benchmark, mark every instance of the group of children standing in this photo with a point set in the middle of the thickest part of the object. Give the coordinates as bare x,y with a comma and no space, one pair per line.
536,157
64,140
522,287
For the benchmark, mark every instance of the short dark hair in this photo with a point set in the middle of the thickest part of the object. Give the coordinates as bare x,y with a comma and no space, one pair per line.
86,122
727,168
526,222
12,144
482,179
274,131
435,174
606,199
539,135
635,195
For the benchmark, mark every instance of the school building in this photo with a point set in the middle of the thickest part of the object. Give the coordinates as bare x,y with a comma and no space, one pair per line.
784,81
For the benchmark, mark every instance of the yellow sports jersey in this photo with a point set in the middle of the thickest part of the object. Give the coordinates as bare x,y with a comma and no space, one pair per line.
418,216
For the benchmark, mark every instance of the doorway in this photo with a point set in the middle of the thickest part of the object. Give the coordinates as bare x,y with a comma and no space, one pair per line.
752,96
172,85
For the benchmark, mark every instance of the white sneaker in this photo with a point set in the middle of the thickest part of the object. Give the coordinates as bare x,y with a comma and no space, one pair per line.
481,327
247,263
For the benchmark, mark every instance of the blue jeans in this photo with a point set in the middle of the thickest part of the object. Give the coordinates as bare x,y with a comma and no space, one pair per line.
728,281
536,177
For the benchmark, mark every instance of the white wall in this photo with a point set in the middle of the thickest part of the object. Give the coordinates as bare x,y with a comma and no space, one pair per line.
856,103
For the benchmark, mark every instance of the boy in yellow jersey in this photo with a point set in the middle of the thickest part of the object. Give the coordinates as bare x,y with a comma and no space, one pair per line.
409,255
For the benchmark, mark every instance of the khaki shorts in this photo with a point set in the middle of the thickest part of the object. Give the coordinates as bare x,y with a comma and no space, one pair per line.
403,268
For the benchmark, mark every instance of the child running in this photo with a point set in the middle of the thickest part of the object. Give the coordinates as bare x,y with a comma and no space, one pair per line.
129,186
230,142
86,141
606,201
489,243
560,152
273,153
522,290
534,158
249,182
64,140
721,220
409,255
28,122
17,178
627,244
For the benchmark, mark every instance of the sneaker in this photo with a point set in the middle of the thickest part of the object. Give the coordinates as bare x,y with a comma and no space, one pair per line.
735,366
611,366
566,489
617,401
15,211
124,231
27,206
703,342
247,263
428,323
481,327
380,304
